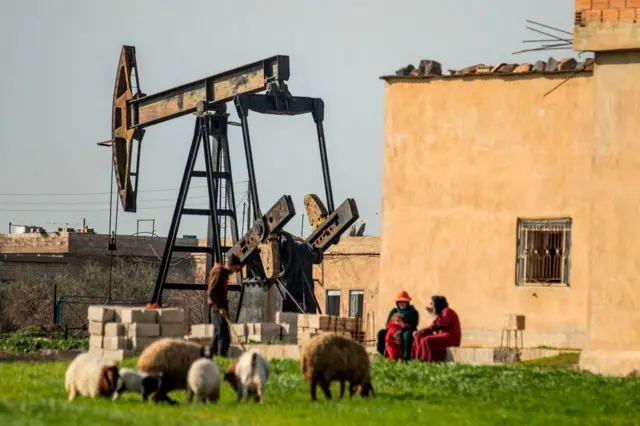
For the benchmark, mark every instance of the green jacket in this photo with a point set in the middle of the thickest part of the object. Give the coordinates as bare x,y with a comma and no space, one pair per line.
411,316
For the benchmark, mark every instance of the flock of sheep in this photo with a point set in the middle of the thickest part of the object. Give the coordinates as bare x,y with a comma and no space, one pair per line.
170,364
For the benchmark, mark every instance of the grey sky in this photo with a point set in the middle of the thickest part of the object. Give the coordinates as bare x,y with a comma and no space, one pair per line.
58,67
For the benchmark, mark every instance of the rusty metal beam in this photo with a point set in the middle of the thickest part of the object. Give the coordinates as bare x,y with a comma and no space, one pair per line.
219,88
133,111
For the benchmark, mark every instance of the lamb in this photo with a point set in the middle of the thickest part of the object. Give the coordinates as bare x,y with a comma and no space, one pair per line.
133,381
248,376
203,381
172,358
330,356
90,375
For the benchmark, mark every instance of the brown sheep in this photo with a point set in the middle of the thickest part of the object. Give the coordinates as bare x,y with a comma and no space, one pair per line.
172,358
331,356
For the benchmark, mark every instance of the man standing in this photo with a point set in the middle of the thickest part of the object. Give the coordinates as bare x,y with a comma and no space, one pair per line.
219,303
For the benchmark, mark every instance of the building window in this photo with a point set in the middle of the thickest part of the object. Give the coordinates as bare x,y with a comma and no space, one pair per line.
356,303
544,251
333,302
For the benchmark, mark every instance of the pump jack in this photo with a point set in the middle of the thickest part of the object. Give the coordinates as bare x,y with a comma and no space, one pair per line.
272,257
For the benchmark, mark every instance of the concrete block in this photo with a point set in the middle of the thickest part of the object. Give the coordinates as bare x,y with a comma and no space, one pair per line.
114,329
137,315
101,313
115,343
303,320
291,352
286,318
171,316
96,328
96,342
289,333
117,355
171,330
513,322
318,321
143,330
138,343
95,351
202,330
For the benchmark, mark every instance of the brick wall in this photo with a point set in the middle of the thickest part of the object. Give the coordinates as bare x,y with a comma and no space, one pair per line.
589,11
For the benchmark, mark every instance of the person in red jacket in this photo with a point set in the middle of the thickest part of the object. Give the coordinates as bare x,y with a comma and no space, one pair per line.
431,343
393,338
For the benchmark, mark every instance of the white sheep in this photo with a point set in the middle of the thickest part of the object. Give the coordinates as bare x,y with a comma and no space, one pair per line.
132,381
203,381
248,375
90,375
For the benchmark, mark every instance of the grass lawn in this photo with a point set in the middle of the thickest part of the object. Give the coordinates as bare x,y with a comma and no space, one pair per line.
538,393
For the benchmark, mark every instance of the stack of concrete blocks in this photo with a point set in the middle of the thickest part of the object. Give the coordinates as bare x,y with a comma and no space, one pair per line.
288,322
119,332
265,332
203,333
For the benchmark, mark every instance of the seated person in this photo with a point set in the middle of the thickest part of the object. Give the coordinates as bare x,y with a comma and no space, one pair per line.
411,318
431,343
393,338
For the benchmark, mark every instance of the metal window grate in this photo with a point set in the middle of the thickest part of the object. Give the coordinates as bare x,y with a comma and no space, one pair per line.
544,251
356,303
333,302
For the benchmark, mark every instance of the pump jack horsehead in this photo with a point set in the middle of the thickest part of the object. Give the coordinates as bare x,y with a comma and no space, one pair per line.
271,256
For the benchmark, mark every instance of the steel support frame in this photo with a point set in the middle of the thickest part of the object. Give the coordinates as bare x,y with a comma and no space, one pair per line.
202,135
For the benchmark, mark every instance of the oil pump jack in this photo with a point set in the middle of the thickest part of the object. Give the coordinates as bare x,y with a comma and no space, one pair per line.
273,258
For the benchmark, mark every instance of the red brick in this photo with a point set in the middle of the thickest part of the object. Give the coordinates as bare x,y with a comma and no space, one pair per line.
617,4
592,16
600,4
633,3
583,4
610,15
627,15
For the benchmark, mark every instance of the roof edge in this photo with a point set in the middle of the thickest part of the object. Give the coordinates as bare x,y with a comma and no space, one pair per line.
389,78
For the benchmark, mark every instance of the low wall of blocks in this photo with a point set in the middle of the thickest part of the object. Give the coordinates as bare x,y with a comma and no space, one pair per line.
289,328
118,332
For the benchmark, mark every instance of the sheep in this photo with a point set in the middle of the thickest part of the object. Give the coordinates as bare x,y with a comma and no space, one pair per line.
248,376
203,381
173,358
133,381
90,375
331,356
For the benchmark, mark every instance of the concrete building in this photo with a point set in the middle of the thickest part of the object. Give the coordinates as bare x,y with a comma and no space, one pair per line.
512,191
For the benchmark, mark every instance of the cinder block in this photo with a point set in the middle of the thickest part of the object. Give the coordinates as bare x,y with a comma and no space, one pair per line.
95,351
115,343
202,330
303,320
101,313
514,322
238,331
137,344
171,330
137,315
171,316
96,328
291,352
117,355
96,342
114,329
286,318
289,333
143,330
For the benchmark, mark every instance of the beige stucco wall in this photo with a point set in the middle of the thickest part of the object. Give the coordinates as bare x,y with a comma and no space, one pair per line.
352,264
463,159
613,345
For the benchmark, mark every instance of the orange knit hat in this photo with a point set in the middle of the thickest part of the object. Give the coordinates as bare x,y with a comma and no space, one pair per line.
403,296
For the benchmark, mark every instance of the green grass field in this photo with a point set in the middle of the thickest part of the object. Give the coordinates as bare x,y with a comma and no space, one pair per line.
542,393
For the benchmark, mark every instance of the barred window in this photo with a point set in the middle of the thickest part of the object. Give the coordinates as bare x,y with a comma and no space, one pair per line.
544,251
356,303
333,302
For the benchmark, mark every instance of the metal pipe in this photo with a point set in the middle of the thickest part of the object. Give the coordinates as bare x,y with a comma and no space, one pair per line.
252,174
325,166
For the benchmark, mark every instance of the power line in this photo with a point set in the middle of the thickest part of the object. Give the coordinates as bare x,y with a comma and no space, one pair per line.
89,202
94,193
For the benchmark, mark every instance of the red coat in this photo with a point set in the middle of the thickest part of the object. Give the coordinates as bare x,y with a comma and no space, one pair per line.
434,340
394,348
